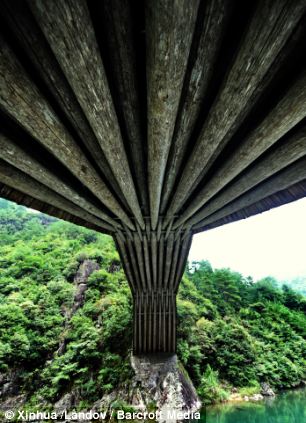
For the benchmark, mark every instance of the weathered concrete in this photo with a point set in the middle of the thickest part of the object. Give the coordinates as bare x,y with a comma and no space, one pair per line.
170,26
287,178
23,102
32,40
288,112
211,28
246,80
24,183
74,44
154,264
20,159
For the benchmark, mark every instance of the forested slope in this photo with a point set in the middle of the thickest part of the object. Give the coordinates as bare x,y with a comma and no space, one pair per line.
65,319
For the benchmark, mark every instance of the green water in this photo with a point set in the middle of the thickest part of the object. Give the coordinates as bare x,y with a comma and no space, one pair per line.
286,407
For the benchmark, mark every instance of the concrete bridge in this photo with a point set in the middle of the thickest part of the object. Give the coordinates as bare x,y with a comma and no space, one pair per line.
151,121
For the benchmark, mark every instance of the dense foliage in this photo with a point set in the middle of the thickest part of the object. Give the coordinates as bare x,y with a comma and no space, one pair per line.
39,258
239,332
232,332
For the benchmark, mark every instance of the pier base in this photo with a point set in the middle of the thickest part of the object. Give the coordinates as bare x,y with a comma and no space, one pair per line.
161,382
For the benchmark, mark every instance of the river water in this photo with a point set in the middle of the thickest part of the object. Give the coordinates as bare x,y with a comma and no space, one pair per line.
286,407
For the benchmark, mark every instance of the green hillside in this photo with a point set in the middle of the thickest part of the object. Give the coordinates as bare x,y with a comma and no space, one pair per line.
65,319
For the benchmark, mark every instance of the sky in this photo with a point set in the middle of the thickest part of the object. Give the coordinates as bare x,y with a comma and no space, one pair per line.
269,244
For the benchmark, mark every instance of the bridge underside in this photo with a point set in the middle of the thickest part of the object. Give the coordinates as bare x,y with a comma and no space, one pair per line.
151,121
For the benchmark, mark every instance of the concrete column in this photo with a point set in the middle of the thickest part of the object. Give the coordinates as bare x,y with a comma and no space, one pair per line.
154,263
154,321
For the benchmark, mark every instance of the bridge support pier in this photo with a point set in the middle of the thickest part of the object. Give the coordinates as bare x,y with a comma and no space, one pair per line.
154,321
154,263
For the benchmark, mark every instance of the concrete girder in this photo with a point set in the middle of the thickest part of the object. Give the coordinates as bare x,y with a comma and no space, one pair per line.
249,75
291,149
288,112
16,179
32,40
170,25
213,21
22,100
74,44
288,177
18,158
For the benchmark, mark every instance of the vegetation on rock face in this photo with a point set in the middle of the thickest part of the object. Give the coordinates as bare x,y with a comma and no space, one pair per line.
231,332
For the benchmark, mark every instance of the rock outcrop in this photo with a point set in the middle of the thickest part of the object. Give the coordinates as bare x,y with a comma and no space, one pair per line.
163,380
86,268
266,390
160,383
